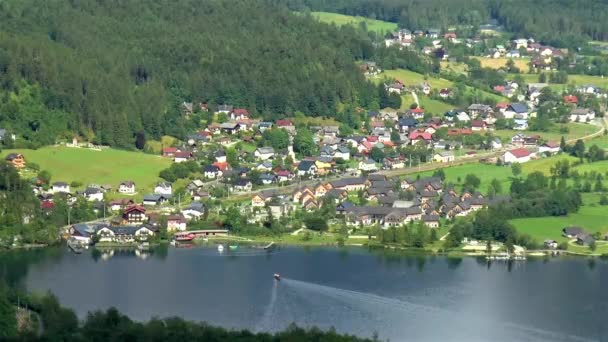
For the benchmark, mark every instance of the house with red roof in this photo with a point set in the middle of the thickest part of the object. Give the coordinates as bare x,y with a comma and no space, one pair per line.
518,155
239,114
417,137
478,125
570,99
416,113
170,151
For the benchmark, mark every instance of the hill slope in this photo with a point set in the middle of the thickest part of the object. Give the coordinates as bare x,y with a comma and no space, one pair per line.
108,69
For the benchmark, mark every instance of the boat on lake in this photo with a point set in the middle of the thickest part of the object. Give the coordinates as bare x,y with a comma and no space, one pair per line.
184,237
220,248
277,277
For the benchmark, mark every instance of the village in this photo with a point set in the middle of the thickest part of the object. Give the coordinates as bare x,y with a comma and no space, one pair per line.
279,168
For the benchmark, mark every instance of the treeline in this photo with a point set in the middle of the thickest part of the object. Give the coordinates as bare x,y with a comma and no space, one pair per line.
61,324
108,70
557,22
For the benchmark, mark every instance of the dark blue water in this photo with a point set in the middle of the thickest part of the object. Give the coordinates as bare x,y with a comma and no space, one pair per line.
354,290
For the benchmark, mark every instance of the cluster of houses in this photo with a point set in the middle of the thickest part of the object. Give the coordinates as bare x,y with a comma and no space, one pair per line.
428,200
582,237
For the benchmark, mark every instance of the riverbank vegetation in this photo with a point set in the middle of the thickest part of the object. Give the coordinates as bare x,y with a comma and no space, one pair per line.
61,324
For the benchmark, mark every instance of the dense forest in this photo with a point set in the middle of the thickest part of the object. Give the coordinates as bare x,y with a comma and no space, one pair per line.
61,324
557,22
108,69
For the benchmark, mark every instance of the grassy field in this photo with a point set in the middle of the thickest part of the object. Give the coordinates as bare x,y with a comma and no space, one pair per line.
378,26
88,166
497,63
575,130
597,81
430,105
591,216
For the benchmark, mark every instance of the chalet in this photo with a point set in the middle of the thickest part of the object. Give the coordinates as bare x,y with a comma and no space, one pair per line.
286,124
416,113
156,199
462,117
496,143
163,188
582,115
444,157
518,139
549,148
120,204
433,33
516,111
93,194
176,223
342,152
230,127
59,187
518,155
260,199
266,165
124,234
573,232
170,151
395,88
126,187
445,93
431,221
406,123
368,165
478,125
242,185
584,239
182,156
82,233
134,214
520,43
264,153
476,109
419,137
211,171
239,114
513,54
264,125
267,178
16,159
307,167
194,211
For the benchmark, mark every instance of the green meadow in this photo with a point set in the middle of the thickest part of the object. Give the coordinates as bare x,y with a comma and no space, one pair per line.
108,166
575,130
378,26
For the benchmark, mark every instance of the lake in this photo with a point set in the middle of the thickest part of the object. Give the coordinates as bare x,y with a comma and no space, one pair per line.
400,297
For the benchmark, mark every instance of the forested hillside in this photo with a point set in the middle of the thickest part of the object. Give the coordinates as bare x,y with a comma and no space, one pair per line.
108,69
558,22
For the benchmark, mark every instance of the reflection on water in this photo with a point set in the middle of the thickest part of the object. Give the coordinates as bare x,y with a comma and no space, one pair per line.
354,290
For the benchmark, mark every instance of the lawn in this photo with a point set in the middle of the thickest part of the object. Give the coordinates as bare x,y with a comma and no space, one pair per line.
575,130
497,63
591,216
597,81
410,78
377,26
600,141
87,166
430,105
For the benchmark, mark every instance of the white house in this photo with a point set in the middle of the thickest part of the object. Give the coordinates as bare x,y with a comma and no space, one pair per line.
163,188
60,187
211,171
549,148
444,157
176,223
463,117
126,187
582,115
496,143
93,194
264,153
518,155
368,165
342,152
307,167
194,211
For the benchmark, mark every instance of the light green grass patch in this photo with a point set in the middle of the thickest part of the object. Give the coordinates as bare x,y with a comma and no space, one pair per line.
378,26
575,130
591,216
108,166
